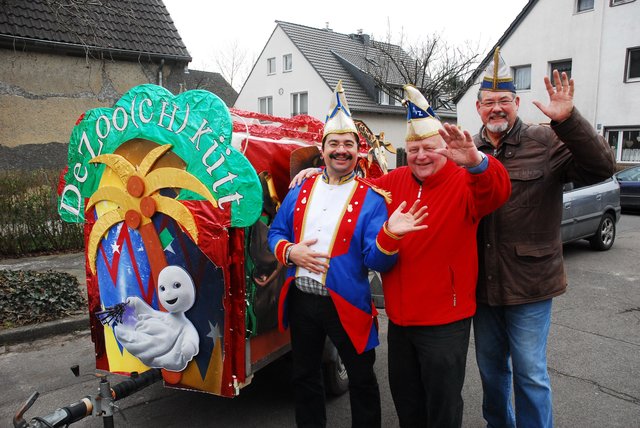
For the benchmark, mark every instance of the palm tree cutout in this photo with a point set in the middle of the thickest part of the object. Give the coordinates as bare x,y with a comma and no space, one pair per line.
139,199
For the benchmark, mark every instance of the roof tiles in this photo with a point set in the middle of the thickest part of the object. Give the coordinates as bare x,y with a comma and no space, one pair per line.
133,26
327,52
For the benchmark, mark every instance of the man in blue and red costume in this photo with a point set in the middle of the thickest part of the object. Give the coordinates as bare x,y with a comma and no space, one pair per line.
330,231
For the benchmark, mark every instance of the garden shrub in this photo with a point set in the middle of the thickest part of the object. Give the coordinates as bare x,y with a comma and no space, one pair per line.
28,297
29,220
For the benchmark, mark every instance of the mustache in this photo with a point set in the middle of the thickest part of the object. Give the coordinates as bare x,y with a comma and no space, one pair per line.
346,156
501,114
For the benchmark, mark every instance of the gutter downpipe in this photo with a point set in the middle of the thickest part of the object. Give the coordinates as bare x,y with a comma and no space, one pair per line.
598,69
160,72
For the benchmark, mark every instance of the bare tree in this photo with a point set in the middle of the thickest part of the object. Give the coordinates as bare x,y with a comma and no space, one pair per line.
432,65
232,63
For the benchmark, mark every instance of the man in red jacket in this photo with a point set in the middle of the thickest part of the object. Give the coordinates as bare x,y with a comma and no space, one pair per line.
430,292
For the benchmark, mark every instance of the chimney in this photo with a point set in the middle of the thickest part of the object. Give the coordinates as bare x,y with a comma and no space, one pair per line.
365,39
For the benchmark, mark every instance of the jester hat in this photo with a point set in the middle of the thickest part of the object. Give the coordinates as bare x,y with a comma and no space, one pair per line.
422,122
497,76
338,120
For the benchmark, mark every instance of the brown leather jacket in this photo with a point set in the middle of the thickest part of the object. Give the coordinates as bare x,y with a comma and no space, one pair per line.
519,245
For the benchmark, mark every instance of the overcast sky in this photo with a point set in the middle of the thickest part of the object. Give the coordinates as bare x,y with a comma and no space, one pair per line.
206,27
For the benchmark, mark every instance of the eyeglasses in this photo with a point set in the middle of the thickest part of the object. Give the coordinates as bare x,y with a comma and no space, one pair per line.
349,145
492,104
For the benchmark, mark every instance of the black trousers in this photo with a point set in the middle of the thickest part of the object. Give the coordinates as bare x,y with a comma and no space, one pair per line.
426,373
311,319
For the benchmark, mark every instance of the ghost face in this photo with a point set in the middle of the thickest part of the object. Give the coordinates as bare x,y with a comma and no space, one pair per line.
176,291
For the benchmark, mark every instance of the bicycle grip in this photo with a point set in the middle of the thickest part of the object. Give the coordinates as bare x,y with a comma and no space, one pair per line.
135,383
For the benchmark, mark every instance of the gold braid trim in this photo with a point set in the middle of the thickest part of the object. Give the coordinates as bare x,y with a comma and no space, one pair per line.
384,193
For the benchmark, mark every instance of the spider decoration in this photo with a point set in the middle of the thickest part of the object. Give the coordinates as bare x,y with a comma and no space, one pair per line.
112,315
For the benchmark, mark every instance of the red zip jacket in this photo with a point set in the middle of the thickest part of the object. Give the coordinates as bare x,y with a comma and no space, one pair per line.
434,279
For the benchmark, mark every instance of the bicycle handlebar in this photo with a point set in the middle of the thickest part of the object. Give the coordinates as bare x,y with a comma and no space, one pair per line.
74,412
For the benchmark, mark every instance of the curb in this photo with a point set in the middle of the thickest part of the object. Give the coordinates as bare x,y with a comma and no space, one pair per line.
46,329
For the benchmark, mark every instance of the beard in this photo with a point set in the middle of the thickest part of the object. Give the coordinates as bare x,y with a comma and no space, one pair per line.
499,127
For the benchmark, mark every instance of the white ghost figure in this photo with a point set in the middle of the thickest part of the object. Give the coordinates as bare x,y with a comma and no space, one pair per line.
163,339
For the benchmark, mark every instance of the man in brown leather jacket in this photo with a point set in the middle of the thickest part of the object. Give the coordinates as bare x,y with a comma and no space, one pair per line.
520,250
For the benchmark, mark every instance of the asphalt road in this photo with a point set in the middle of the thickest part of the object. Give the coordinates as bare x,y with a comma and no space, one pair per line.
594,361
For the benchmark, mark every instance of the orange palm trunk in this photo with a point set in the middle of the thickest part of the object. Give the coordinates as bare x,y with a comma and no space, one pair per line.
155,253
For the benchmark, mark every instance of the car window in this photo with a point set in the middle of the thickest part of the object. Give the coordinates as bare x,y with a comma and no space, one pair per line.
570,186
631,174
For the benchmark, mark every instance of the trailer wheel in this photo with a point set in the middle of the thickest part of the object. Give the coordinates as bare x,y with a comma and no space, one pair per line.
336,381
335,378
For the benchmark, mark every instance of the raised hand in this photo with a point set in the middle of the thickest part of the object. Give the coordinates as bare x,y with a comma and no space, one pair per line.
402,223
303,175
460,147
560,97
303,256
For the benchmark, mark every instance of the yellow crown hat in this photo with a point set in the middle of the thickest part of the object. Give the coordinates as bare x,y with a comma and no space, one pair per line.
338,120
422,122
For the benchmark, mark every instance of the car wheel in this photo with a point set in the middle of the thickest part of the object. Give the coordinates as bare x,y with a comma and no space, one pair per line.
336,381
605,235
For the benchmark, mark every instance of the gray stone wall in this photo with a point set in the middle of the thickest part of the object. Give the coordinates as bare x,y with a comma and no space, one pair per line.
42,94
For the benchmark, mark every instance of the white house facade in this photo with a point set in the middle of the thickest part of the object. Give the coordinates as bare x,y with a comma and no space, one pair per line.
272,89
299,68
598,43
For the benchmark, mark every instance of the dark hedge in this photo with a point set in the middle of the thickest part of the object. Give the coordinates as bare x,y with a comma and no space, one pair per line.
28,297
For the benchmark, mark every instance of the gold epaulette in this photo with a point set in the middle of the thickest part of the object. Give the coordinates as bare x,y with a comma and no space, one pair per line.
384,193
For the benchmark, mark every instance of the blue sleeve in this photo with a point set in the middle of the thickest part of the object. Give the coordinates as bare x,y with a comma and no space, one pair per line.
375,215
282,225
482,167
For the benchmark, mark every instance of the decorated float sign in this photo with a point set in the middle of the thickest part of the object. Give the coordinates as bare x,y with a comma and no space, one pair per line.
158,183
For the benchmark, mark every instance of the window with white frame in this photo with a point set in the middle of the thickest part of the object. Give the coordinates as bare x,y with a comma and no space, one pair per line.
287,63
625,143
384,98
271,65
584,5
522,77
399,96
561,66
299,103
265,105
632,69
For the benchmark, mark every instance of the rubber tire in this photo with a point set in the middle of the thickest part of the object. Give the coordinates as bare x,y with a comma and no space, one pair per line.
336,381
605,235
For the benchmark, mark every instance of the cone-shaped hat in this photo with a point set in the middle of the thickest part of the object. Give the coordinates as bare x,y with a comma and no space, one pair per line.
422,122
338,120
